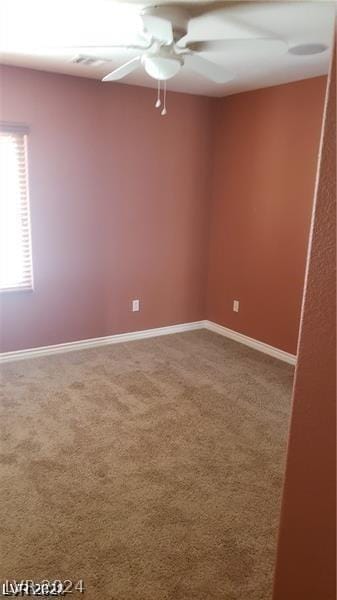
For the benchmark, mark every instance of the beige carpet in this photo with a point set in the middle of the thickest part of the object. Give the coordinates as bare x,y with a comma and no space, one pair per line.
151,469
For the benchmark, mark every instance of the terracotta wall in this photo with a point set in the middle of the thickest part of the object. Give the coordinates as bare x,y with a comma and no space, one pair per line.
121,201
118,207
306,564
158,179
266,149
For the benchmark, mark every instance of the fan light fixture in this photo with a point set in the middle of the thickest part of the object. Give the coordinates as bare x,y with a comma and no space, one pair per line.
161,67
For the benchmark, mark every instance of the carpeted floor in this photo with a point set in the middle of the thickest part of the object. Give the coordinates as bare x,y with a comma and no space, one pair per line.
152,470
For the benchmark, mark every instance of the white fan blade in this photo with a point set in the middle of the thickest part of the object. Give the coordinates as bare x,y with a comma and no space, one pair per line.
243,45
101,46
207,68
226,23
122,71
160,29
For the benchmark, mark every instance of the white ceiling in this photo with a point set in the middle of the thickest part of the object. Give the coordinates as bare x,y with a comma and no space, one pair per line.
32,33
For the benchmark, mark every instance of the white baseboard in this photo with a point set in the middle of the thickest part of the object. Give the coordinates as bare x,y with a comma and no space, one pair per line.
148,333
96,342
252,343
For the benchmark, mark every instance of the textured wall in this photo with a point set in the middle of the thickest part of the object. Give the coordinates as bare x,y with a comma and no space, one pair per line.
118,206
306,565
266,149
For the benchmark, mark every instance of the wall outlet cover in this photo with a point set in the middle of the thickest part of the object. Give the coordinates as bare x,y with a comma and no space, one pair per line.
135,305
236,305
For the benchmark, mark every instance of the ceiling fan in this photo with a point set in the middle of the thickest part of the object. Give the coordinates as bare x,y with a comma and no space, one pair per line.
167,46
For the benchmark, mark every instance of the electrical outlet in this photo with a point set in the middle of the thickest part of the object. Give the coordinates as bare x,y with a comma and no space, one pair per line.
236,305
135,305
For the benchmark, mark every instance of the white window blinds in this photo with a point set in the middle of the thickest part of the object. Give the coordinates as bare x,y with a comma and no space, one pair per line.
15,236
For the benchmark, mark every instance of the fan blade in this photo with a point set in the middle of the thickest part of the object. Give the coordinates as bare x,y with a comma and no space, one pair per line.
160,29
101,46
244,45
122,71
227,22
207,68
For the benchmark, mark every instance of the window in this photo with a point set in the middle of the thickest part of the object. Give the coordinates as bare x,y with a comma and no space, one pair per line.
15,237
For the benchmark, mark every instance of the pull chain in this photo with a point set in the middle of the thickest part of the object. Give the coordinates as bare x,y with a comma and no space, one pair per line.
158,101
164,111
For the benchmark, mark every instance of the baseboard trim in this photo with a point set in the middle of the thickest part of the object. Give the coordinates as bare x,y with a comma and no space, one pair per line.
96,342
148,333
252,343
